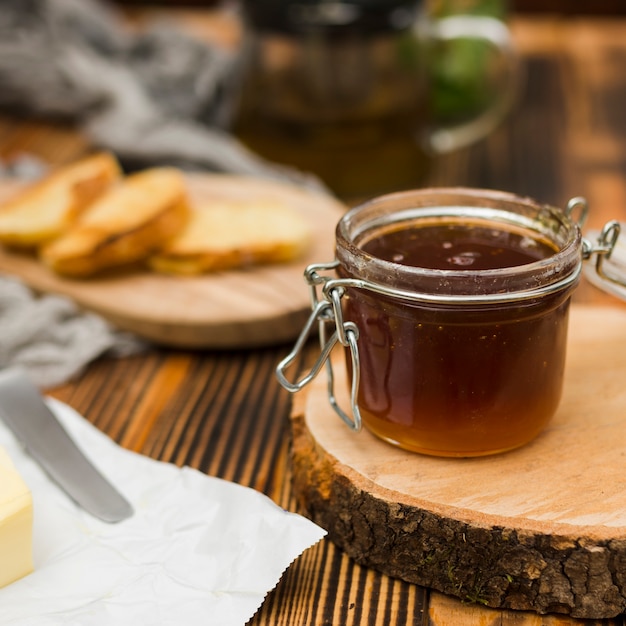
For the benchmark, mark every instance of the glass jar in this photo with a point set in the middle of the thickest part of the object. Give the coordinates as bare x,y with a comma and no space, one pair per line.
453,307
346,90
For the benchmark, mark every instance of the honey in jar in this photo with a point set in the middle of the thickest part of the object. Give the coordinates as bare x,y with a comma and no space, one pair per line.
461,300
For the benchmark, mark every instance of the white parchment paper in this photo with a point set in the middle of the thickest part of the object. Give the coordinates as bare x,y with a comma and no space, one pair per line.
198,550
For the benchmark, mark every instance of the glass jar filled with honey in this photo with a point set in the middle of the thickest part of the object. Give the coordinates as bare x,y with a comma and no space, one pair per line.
453,308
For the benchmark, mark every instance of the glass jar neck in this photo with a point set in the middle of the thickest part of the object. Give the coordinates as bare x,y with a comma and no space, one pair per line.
489,209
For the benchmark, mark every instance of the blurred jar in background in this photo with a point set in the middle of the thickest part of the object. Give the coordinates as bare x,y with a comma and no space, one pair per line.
461,85
345,89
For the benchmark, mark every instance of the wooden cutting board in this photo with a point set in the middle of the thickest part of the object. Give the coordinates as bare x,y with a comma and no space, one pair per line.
541,528
245,308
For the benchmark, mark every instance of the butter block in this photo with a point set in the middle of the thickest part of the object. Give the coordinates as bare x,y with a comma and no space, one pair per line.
16,523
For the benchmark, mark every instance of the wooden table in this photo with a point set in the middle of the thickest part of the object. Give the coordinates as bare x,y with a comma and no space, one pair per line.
224,413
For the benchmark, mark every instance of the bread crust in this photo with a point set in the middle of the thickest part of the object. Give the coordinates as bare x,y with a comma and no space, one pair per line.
47,208
130,222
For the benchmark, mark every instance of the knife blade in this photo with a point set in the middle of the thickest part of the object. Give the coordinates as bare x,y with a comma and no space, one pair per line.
24,411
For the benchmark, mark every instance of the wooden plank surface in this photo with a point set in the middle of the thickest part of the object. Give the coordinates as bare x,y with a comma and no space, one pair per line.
224,413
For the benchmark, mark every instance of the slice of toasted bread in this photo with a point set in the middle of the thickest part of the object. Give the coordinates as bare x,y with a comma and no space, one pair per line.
132,220
45,209
226,234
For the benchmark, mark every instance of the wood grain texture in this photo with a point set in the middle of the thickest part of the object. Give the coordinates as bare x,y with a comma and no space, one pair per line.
255,306
542,527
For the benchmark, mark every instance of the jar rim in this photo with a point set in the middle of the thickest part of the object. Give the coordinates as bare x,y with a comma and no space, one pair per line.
496,208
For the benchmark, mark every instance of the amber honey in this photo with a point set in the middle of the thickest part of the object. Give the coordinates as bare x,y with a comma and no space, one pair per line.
462,324
457,245
464,381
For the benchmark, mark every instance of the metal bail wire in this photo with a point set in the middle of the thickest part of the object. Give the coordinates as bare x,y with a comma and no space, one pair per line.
317,314
326,310
608,239
603,248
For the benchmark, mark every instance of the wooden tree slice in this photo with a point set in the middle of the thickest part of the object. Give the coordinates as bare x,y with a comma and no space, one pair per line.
541,528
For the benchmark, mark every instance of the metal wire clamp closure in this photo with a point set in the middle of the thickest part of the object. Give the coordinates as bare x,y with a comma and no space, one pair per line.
603,249
325,311
605,244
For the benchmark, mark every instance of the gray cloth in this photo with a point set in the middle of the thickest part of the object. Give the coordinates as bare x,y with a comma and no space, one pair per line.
51,338
152,97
